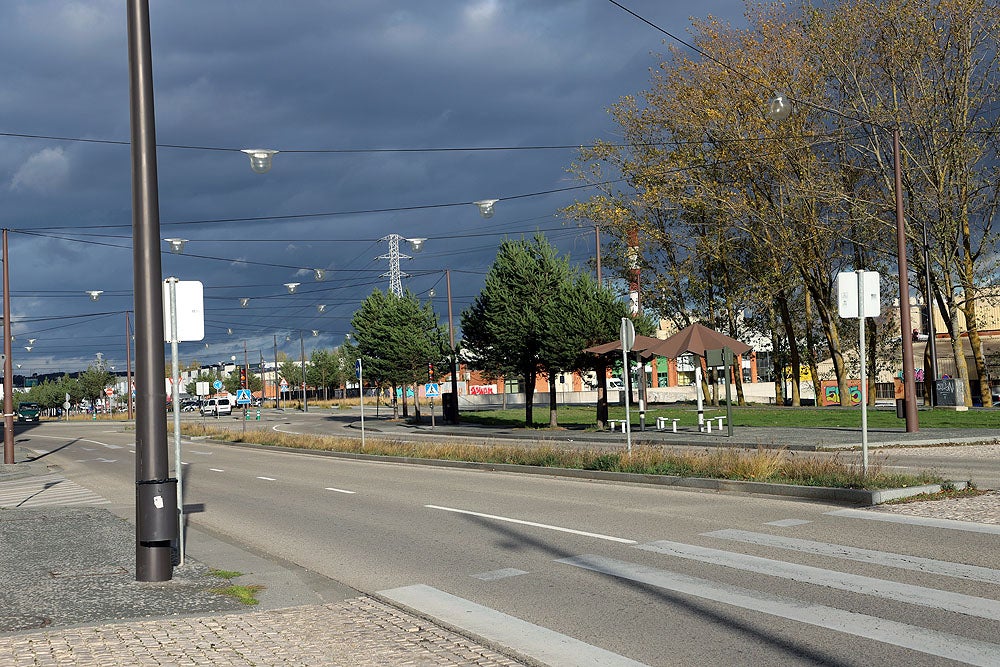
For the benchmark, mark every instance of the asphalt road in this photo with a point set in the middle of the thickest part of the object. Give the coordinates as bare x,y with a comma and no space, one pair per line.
618,572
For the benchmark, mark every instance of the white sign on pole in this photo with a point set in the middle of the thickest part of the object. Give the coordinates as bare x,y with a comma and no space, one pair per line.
201,388
190,310
849,297
627,334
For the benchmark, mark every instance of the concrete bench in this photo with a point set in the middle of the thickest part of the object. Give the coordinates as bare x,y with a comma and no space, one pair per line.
708,423
661,423
615,423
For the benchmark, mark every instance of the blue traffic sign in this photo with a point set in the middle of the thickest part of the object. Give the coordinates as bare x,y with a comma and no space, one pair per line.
243,397
431,390
357,369
217,384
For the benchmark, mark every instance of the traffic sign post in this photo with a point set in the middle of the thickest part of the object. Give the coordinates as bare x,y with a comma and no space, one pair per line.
361,396
627,335
432,390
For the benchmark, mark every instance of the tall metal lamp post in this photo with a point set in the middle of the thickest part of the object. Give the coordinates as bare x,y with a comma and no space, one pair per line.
779,109
156,510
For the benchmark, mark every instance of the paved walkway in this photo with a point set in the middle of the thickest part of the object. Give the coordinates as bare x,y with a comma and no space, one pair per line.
68,596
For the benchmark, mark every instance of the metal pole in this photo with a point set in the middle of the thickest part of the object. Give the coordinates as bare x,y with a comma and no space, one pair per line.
909,381
597,237
8,366
864,380
628,414
128,366
361,395
175,373
302,352
277,388
454,352
152,557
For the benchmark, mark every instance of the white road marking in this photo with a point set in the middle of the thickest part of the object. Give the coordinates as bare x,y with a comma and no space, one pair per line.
217,470
901,561
330,488
532,523
949,524
202,453
46,490
788,523
67,439
270,479
544,645
845,581
924,640
498,574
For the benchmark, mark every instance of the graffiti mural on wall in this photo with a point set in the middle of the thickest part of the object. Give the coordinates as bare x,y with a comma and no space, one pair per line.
830,392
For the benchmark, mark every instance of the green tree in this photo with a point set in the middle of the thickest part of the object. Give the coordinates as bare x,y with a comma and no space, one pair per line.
396,338
527,320
94,380
325,370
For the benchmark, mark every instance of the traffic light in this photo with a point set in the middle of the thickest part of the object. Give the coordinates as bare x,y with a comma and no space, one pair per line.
243,377
430,371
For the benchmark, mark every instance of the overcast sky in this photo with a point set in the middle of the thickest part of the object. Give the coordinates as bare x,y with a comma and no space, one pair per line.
308,78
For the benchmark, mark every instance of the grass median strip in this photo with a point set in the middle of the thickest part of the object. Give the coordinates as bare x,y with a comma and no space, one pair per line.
776,466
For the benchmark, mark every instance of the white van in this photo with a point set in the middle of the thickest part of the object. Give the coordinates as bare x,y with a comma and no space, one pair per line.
614,384
217,407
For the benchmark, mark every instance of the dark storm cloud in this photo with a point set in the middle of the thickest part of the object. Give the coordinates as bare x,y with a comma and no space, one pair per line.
307,75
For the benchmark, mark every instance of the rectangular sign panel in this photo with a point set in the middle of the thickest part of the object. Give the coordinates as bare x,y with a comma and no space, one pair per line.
190,310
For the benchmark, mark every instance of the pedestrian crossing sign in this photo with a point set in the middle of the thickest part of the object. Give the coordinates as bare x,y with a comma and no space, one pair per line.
243,397
431,390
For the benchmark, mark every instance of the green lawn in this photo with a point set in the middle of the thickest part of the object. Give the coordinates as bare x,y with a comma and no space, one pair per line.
572,416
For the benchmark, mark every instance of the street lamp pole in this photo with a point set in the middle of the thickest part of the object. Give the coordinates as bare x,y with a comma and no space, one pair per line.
909,378
454,353
302,353
154,528
8,370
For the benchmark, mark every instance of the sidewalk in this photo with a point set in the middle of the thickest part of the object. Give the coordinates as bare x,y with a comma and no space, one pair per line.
68,596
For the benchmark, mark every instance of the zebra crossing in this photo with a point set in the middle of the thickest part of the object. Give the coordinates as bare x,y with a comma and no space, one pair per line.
45,491
666,572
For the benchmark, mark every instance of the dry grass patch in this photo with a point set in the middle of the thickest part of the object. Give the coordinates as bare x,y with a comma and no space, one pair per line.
759,465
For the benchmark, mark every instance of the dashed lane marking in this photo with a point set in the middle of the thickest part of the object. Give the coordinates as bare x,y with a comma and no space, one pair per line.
522,522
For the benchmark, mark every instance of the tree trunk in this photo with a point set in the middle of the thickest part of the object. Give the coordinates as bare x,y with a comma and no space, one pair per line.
602,395
793,348
416,403
776,367
553,418
529,397
811,348
395,402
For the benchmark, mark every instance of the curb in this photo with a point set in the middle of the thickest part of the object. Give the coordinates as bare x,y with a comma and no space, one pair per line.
820,493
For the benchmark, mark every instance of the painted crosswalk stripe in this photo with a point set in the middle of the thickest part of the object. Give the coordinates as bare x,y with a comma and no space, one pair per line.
46,490
269,479
845,581
544,645
330,488
901,561
948,524
924,640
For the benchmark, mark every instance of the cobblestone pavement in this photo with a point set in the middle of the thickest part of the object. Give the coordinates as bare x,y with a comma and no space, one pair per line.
358,632
984,508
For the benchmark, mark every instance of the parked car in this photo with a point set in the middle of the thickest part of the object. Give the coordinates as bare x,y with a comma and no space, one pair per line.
217,407
28,412
614,384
